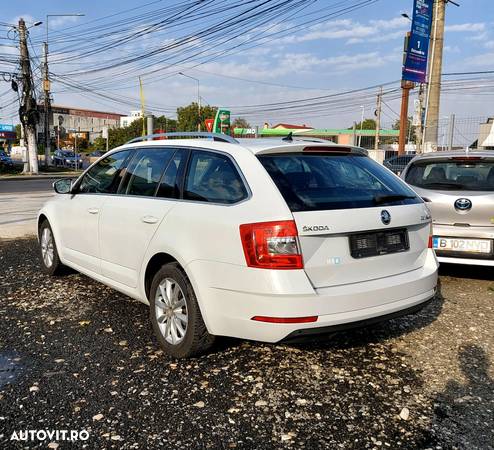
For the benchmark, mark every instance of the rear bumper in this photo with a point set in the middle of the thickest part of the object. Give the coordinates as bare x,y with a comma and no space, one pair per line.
229,311
469,233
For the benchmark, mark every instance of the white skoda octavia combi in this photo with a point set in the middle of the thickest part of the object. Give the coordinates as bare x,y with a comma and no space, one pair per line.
255,239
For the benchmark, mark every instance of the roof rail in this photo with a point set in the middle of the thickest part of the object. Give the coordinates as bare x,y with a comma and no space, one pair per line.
199,134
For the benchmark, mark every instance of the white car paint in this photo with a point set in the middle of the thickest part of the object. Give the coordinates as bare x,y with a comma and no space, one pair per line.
112,238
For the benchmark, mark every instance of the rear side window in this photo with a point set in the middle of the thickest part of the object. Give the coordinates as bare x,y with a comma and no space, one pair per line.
457,174
104,177
312,182
144,171
171,180
212,177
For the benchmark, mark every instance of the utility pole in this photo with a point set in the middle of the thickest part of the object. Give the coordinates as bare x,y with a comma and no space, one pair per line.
47,108
28,112
406,86
378,118
420,120
434,89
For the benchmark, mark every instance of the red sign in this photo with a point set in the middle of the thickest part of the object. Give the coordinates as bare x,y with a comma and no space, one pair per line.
209,124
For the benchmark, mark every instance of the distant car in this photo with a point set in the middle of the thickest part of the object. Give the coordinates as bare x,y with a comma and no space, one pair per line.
458,187
6,160
398,163
66,158
96,153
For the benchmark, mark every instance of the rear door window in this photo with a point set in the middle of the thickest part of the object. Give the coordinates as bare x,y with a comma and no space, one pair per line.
212,177
453,174
172,178
312,182
144,171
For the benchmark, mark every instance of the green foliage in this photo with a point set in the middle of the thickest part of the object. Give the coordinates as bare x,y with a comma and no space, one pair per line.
412,132
367,124
119,136
188,116
240,122
18,131
165,124
98,144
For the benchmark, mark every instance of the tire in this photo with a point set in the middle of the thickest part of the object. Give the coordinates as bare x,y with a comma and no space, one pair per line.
50,261
180,331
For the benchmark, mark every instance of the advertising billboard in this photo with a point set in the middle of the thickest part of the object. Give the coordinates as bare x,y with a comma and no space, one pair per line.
415,67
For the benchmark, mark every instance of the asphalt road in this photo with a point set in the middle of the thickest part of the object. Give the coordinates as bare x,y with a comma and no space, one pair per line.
20,201
76,355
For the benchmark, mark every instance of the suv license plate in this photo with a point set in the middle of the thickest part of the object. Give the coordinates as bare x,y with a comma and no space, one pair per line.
462,245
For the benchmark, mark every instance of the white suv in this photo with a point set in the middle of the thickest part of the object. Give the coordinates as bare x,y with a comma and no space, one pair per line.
256,239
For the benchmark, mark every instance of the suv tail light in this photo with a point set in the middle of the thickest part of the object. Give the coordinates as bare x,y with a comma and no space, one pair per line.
430,236
271,245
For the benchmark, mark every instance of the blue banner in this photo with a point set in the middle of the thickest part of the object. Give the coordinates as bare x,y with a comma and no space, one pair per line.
415,68
4,127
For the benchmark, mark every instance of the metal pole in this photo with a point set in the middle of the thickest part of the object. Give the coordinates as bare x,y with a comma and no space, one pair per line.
150,126
451,131
199,105
361,126
378,119
405,94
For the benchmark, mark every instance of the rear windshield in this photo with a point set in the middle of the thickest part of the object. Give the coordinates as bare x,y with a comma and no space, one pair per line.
313,182
454,175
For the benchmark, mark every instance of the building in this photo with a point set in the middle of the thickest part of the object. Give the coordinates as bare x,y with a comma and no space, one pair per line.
66,121
486,135
125,121
289,126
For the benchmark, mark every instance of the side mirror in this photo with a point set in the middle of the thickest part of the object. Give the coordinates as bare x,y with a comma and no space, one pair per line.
63,186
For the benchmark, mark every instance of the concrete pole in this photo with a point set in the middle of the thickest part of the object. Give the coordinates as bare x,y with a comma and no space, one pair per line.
451,133
28,117
434,95
149,121
46,90
419,133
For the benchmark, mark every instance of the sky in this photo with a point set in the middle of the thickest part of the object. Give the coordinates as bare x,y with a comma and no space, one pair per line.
355,50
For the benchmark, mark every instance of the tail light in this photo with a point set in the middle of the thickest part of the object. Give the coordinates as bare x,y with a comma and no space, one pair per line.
271,245
430,237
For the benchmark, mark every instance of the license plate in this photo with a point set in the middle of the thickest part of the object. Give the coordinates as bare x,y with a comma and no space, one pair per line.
462,245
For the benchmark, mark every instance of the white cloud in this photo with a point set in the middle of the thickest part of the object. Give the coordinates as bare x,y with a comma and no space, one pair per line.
465,28
484,60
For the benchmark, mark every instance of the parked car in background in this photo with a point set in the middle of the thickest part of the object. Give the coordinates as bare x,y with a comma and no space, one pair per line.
67,158
459,190
96,153
256,239
6,160
398,163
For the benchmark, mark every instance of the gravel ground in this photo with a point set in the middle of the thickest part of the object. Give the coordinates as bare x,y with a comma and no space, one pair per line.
77,355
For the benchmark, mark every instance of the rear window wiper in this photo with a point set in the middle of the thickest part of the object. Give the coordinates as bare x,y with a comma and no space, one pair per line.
380,199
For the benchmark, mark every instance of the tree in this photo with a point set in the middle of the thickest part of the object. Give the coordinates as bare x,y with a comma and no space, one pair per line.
367,124
411,130
240,122
188,116
166,124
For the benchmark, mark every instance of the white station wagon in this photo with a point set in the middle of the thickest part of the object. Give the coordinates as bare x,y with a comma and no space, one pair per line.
256,239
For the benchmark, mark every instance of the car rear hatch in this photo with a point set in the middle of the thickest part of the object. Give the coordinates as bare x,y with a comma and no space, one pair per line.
459,190
356,221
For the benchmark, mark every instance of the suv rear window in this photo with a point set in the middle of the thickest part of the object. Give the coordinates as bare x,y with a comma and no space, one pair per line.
312,182
449,174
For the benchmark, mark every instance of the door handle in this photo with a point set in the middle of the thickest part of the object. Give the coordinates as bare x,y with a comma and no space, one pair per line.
93,210
149,219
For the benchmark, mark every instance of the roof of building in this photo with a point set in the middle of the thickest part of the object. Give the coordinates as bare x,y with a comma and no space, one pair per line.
316,132
289,126
72,110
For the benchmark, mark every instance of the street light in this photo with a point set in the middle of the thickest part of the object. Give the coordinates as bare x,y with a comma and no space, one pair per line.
406,16
198,97
361,125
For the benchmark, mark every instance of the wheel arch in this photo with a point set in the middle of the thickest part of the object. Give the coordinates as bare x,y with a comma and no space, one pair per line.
154,264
